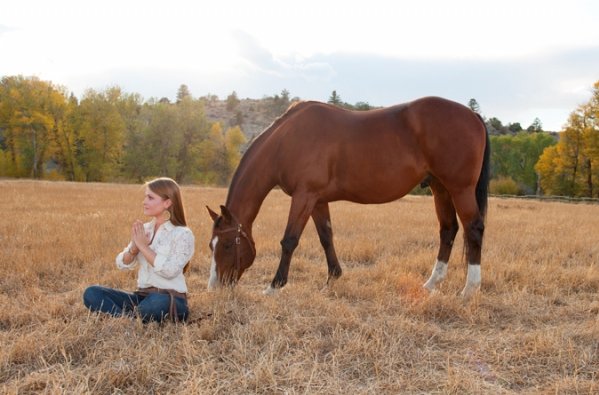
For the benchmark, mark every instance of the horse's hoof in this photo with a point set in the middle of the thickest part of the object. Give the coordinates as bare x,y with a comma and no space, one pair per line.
430,289
270,290
468,292
331,280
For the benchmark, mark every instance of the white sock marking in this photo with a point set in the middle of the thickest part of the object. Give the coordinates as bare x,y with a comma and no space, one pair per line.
473,280
213,280
270,290
438,274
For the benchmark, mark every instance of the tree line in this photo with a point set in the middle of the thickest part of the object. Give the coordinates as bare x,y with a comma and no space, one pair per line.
530,161
111,135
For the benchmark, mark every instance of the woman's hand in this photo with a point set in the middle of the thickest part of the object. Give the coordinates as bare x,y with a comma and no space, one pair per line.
138,236
141,242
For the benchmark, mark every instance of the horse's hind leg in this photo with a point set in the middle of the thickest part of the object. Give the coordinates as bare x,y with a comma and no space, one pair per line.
448,223
474,227
322,220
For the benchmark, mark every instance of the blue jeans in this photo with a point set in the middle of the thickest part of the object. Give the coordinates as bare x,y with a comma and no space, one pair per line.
154,307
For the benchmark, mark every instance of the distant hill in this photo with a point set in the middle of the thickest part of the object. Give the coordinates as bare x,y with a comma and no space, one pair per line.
252,115
255,115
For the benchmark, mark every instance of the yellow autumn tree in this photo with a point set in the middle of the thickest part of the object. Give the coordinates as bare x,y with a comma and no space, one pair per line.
234,140
571,168
31,113
220,153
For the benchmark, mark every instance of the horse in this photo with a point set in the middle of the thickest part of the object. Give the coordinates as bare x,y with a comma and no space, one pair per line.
319,153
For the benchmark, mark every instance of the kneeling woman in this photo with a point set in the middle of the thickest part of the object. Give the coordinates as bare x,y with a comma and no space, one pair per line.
162,248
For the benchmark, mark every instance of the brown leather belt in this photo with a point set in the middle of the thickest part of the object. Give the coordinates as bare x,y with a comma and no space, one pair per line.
172,311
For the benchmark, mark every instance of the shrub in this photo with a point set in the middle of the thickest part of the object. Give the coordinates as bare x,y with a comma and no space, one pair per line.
504,186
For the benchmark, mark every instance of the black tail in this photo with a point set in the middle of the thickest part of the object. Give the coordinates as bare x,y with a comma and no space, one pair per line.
482,187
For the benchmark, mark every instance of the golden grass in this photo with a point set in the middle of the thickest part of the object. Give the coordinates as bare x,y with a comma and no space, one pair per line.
533,329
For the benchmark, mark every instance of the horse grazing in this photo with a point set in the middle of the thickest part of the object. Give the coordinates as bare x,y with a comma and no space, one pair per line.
318,153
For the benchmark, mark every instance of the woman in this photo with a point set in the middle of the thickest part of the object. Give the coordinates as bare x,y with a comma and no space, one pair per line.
162,248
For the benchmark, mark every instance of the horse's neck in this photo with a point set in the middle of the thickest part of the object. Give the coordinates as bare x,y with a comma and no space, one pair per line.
253,180
246,194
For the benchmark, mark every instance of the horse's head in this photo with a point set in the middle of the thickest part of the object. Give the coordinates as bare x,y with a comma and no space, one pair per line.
232,248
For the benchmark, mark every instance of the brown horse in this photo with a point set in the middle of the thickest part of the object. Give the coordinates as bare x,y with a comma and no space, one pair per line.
318,153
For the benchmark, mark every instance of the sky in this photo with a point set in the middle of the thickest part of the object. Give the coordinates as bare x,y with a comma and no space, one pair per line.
520,59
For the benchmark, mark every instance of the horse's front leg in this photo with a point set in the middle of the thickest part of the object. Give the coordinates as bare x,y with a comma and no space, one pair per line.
301,209
322,220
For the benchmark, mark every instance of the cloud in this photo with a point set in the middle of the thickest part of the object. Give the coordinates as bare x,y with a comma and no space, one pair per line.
514,90
6,29
258,59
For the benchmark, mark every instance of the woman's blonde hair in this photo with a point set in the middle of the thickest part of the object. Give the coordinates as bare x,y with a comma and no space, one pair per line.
168,188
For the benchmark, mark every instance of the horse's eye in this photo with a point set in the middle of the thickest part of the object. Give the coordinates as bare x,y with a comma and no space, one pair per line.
228,245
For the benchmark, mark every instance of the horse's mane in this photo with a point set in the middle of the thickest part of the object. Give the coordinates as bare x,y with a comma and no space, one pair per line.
259,140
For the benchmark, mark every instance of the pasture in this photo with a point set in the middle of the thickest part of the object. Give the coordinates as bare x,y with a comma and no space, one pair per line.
534,328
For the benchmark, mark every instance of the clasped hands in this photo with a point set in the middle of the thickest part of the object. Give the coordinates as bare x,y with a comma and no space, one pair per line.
139,239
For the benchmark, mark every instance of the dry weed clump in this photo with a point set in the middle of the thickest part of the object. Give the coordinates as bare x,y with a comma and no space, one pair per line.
534,328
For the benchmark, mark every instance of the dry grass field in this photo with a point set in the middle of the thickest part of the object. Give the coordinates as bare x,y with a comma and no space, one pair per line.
534,328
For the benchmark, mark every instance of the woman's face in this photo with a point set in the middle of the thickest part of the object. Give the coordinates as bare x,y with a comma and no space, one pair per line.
153,204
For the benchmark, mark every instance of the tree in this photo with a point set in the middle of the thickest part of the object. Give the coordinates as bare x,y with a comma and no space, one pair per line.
213,157
515,156
335,99
495,126
234,140
220,153
182,93
473,104
101,134
536,126
193,128
136,162
514,127
65,139
591,144
232,101
362,106
550,179
571,168
237,119
31,112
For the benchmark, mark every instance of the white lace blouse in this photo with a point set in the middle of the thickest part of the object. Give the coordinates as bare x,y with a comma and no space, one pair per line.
174,247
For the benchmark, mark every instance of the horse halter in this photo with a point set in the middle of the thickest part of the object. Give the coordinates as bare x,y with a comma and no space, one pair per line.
240,233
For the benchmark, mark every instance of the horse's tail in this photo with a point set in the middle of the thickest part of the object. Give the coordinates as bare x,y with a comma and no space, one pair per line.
482,187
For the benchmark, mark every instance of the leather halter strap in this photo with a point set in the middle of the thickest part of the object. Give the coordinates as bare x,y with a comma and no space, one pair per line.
240,233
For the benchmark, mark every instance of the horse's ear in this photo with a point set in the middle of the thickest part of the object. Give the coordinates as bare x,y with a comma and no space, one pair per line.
213,215
225,213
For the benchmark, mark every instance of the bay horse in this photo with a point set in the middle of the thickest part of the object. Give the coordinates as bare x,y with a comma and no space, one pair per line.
319,153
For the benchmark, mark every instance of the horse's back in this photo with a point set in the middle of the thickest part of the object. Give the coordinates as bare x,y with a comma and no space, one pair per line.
428,115
377,155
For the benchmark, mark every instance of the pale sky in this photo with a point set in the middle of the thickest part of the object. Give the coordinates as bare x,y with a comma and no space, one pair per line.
519,59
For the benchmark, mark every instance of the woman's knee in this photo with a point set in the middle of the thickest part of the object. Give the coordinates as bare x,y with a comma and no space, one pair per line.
93,297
